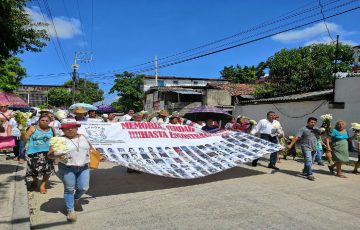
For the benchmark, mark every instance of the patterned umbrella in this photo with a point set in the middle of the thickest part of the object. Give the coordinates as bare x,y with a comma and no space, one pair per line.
12,100
84,105
105,109
204,112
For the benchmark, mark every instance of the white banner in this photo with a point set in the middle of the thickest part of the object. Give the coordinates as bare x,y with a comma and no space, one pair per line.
179,151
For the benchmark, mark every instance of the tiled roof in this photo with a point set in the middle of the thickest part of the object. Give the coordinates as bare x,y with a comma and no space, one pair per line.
234,89
294,97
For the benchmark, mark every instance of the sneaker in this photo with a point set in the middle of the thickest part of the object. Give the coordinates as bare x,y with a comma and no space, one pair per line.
254,163
77,206
321,163
71,216
311,177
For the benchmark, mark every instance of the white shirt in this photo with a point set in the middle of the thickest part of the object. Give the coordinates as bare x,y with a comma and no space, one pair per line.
15,131
126,117
78,152
266,127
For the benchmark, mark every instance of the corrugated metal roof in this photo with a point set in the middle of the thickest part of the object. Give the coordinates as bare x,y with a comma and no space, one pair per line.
293,97
186,92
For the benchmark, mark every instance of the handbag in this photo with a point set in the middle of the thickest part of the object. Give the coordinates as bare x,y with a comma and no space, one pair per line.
7,142
95,157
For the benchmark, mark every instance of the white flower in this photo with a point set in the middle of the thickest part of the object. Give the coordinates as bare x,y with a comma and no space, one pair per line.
326,117
59,145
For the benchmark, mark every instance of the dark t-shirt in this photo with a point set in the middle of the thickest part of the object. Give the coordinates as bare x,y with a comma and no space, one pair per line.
308,138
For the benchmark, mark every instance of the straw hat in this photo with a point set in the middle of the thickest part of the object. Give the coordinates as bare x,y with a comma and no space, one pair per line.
163,112
79,110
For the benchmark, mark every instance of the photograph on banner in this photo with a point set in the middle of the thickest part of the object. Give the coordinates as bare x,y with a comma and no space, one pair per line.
179,151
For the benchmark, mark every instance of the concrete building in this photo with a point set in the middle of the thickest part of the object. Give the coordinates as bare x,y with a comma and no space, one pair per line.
295,109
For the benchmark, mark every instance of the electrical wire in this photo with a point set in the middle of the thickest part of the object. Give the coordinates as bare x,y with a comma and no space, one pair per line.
323,17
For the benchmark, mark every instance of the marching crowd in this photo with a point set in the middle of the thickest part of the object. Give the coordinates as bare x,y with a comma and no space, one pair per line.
33,146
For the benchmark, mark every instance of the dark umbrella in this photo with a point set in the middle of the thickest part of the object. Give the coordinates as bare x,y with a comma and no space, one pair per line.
204,112
105,109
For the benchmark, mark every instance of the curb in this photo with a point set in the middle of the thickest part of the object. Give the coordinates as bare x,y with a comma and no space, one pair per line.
20,218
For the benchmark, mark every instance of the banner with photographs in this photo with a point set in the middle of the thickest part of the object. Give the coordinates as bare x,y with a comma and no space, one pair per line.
178,151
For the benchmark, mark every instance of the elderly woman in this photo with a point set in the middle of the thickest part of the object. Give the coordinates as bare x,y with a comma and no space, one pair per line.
38,138
339,146
73,167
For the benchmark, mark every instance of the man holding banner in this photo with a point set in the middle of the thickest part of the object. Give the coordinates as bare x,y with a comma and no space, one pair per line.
268,129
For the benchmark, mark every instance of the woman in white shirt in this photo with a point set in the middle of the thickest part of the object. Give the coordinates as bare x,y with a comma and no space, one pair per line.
73,167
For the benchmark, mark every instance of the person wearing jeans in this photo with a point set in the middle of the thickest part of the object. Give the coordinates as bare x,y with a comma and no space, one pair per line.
73,166
308,135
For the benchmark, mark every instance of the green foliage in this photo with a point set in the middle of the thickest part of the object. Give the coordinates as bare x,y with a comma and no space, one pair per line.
304,69
59,97
240,75
128,89
117,106
44,106
18,33
11,74
86,91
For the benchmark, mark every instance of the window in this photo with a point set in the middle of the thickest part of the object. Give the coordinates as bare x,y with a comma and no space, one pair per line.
160,83
195,82
175,82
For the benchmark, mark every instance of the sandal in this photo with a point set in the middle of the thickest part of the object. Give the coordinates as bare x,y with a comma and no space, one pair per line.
341,175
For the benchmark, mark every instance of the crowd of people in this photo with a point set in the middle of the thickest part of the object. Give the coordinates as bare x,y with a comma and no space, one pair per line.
35,149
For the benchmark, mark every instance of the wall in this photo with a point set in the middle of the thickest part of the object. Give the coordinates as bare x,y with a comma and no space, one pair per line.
293,115
214,97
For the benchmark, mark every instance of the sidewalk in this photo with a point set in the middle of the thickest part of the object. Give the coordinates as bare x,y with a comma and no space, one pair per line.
14,210
240,198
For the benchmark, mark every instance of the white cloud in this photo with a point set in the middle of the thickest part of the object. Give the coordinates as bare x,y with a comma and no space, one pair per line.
327,40
66,28
316,30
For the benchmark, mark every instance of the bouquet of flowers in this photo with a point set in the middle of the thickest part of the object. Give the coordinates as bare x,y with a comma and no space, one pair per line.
326,118
22,119
356,129
59,145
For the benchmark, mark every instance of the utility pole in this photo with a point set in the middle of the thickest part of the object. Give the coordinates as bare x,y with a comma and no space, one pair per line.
156,71
335,64
75,66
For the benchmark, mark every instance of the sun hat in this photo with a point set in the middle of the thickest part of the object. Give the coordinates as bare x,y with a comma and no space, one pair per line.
79,110
66,123
163,112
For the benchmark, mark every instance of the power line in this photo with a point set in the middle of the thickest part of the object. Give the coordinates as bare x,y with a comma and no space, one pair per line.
248,42
48,10
264,24
323,17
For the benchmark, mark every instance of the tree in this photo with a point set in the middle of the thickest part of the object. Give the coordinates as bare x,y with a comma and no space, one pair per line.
59,97
18,33
11,74
128,89
304,69
87,91
238,74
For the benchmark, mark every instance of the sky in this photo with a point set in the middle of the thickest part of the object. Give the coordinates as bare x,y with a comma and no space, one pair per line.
113,35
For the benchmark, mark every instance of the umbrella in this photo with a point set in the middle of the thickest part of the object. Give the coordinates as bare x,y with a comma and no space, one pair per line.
12,100
204,112
105,109
83,105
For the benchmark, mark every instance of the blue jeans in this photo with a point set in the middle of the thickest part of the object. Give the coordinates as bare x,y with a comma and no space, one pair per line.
318,156
308,157
19,149
76,183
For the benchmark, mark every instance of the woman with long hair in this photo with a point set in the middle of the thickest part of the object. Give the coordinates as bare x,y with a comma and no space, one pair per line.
38,137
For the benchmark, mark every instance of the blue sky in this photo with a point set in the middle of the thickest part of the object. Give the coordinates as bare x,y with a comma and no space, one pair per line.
126,33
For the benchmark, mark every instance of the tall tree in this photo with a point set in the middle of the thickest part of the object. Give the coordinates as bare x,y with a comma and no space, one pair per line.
128,87
59,97
11,74
237,74
18,33
304,69
87,91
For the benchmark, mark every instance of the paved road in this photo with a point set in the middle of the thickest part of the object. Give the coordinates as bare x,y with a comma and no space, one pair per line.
240,198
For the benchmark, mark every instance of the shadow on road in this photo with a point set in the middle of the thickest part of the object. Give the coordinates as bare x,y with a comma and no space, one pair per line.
113,181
